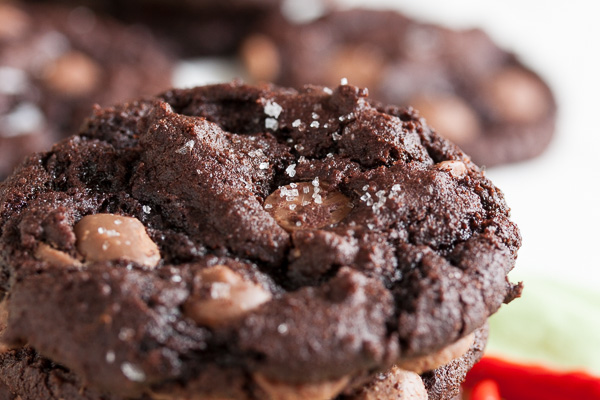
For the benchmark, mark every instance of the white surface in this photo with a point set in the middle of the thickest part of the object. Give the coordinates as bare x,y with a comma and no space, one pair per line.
554,198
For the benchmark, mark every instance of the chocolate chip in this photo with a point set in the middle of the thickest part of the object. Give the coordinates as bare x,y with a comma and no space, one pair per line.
107,237
307,205
226,296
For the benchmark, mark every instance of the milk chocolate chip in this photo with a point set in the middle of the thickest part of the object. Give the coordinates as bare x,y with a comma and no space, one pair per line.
307,205
395,384
361,65
456,168
518,96
55,257
107,237
13,22
307,391
224,296
261,58
450,116
430,362
73,74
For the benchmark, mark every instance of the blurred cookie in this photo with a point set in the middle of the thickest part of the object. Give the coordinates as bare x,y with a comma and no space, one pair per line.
56,63
469,90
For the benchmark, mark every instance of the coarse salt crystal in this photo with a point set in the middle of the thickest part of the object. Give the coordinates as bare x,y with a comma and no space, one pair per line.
314,124
291,170
296,123
267,206
271,123
146,209
318,199
344,81
273,109
263,165
327,90
315,181
133,372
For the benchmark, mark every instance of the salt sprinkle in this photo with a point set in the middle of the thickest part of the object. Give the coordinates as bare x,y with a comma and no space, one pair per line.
396,188
380,194
344,81
267,206
293,185
298,223
132,372
336,136
315,181
318,199
299,147
273,109
314,124
291,171
146,209
296,123
370,226
110,357
176,278
292,207
315,115
365,188
329,155
271,123
306,189
263,165
283,328
188,146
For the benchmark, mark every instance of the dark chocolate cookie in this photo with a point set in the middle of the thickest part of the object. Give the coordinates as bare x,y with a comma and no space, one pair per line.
191,28
26,374
248,242
56,63
469,90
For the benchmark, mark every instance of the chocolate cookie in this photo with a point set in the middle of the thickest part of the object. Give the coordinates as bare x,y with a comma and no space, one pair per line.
251,242
56,63
32,377
191,28
469,90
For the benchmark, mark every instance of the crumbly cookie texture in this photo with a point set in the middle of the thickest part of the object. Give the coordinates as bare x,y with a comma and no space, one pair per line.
281,242
469,89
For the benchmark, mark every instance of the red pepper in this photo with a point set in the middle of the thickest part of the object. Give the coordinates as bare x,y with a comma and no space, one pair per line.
487,389
523,382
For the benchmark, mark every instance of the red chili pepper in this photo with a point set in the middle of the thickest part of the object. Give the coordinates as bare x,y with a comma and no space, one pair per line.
523,382
485,390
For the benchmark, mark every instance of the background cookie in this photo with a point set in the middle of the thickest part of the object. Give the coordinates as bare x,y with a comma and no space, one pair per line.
200,241
471,91
56,63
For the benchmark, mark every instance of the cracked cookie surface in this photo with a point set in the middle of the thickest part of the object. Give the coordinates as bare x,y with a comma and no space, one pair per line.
224,299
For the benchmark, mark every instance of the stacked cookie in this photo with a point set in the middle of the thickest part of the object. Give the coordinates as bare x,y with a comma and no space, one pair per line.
250,242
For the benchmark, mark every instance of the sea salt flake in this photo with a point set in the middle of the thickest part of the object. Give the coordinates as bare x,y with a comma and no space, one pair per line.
327,90
293,185
344,81
268,206
188,146
305,189
283,328
336,136
315,182
365,188
273,109
263,165
291,170
380,194
318,199
296,123
292,207
314,124
329,155
146,209
271,123
315,115
110,357
396,188
299,147
133,372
